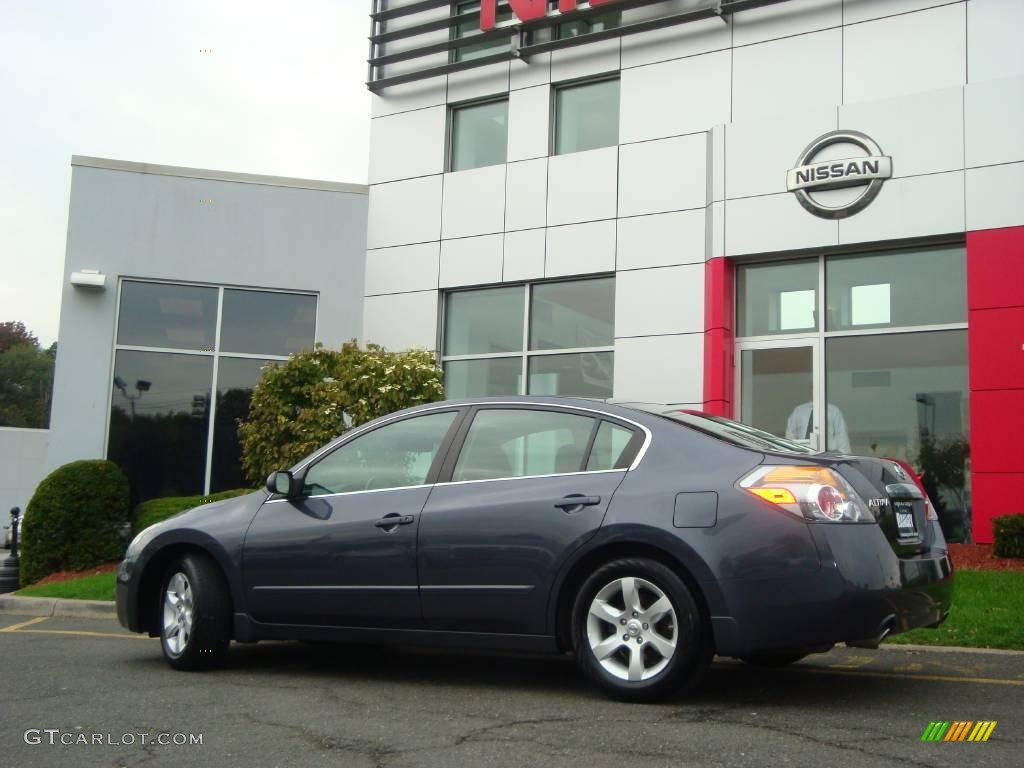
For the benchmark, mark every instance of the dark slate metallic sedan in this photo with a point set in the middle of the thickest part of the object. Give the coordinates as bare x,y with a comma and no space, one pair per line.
639,537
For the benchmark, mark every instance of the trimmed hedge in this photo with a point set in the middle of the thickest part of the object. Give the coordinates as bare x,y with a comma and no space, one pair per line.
1009,536
153,511
76,519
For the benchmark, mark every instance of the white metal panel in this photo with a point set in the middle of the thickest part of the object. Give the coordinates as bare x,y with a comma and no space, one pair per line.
535,71
409,96
774,223
660,301
489,80
896,55
661,240
529,115
582,186
585,60
407,145
759,152
715,230
803,72
402,268
994,196
474,202
855,11
675,97
674,42
524,255
678,360
663,175
785,19
922,132
580,249
716,139
994,121
404,212
401,320
471,260
913,207
994,47
526,198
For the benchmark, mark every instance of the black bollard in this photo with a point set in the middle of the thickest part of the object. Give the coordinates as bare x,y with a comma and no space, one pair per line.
10,576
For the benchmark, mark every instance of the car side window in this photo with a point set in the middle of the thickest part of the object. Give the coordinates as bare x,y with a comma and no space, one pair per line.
521,442
610,445
392,456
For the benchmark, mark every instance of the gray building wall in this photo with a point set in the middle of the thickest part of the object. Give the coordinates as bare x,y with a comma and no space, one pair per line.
190,225
22,466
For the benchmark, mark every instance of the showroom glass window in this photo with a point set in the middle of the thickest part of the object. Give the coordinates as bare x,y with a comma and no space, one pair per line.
176,346
479,135
893,349
586,116
552,338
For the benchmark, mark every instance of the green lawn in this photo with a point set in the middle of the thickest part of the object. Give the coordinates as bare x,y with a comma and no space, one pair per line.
988,612
98,587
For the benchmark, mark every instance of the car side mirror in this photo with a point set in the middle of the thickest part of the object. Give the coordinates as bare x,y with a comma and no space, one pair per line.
284,483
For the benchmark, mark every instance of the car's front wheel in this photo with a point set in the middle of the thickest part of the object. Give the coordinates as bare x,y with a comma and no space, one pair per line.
195,614
638,631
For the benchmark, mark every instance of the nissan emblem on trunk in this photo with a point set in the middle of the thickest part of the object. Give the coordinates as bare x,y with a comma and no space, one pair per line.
839,174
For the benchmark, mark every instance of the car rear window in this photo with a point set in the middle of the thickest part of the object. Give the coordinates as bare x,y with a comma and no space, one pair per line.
728,430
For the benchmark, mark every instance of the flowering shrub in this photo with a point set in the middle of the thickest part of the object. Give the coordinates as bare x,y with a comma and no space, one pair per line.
316,395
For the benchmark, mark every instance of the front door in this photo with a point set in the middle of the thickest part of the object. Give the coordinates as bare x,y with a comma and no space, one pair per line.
779,390
529,486
344,554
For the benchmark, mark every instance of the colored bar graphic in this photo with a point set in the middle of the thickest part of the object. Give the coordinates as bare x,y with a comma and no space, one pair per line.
958,730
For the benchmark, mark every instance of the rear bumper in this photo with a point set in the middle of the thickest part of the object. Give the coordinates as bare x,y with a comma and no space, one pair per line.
861,592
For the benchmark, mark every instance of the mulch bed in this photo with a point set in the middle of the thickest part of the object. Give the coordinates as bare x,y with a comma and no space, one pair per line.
68,575
978,557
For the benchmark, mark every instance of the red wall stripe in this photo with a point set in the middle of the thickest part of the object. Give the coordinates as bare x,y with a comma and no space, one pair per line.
719,335
995,341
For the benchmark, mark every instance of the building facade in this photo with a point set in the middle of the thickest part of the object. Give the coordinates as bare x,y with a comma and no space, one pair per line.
804,214
179,285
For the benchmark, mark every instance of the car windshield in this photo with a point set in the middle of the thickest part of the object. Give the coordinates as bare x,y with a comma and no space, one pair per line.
731,431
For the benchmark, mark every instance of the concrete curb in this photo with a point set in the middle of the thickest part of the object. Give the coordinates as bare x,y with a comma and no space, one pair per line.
947,649
58,607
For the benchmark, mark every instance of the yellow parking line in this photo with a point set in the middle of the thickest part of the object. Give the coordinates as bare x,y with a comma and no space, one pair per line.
83,633
890,675
30,622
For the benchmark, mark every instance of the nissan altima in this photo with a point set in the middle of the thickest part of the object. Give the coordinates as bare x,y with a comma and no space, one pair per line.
640,538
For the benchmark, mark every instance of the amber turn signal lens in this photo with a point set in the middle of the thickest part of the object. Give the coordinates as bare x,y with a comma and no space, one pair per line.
774,495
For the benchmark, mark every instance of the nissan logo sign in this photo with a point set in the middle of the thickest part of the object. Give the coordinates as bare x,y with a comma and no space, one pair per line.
866,170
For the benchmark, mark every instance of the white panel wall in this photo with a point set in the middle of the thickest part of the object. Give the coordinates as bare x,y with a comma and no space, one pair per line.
712,115
402,320
22,466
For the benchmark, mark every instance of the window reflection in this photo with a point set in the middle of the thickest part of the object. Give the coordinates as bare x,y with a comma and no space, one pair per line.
167,316
158,430
267,322
236,377
777,297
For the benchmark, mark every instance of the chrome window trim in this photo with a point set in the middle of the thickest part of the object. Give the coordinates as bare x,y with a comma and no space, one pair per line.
354,433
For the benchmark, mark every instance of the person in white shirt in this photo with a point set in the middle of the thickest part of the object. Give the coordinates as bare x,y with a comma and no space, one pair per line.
800,426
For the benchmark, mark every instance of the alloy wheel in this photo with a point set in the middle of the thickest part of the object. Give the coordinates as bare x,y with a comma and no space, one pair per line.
178,614
632,629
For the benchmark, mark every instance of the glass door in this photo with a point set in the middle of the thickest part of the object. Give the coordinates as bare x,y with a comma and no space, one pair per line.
778,388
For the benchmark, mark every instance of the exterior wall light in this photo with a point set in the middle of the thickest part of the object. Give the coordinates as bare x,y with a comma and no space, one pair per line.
90,279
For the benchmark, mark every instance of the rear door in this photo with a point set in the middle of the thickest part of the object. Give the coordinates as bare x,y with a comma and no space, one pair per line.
528,486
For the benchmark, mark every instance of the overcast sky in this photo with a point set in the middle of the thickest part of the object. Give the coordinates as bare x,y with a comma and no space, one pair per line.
281,93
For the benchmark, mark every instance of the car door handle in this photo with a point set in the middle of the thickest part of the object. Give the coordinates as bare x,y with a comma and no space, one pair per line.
393,521
574,500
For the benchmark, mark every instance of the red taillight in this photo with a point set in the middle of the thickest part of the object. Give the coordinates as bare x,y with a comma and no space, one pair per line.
929,507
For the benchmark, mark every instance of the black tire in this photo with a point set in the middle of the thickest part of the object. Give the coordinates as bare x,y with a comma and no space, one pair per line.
206,645
772,660
694,647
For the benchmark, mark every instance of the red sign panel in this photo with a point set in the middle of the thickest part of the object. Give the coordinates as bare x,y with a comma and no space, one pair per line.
527,10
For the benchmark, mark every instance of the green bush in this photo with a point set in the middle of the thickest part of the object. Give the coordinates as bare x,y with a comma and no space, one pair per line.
302,404
76,519
153,511
1009,536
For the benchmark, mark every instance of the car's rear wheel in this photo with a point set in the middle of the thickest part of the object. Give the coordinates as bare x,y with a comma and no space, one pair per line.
194,614
637,630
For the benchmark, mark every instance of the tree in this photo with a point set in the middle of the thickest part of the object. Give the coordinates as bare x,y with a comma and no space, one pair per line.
26,380
14,334
315,396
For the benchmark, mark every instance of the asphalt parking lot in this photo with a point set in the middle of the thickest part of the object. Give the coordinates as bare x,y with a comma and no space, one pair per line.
285,704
